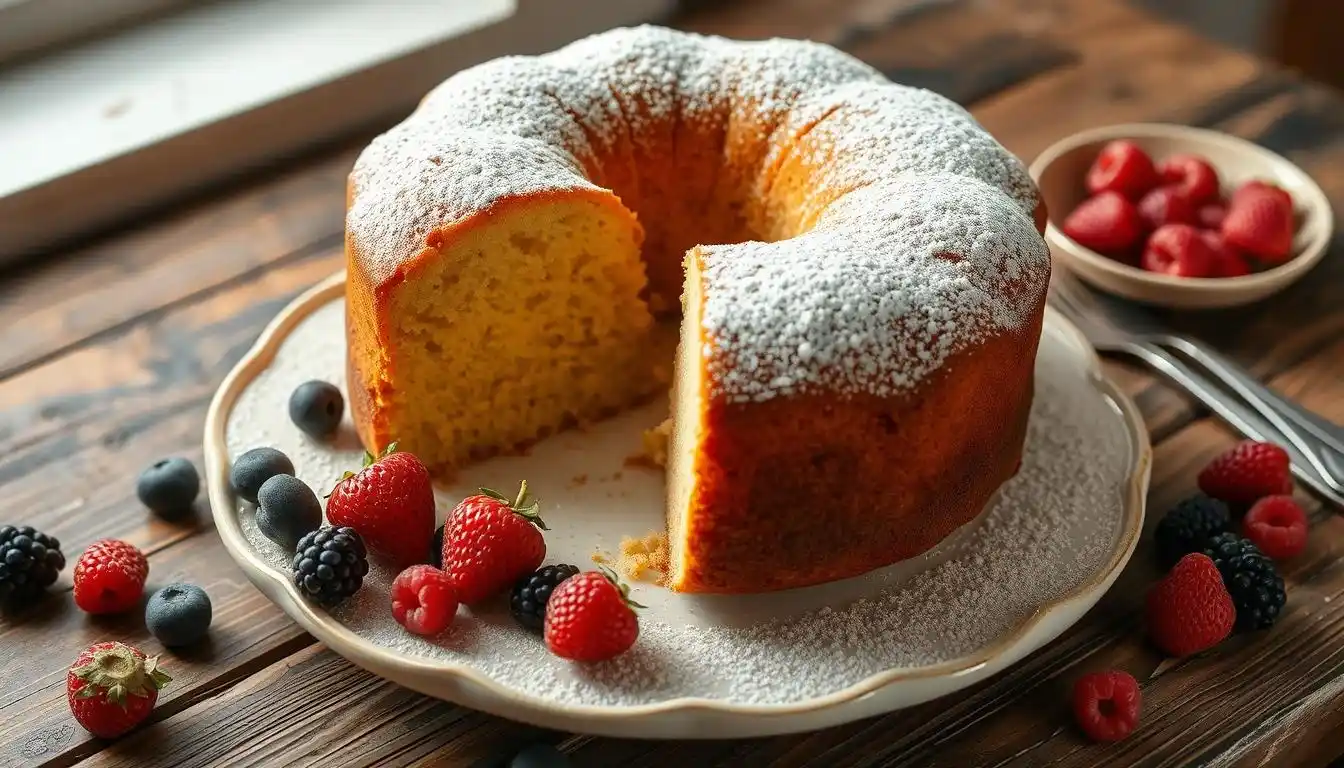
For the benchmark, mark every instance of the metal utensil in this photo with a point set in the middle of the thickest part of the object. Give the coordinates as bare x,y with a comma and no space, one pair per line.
1312,458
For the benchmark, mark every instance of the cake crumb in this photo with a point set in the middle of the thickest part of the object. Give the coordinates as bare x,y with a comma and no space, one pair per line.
654,451
645,559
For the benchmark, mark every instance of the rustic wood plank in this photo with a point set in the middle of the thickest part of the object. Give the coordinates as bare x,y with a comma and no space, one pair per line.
332,713
48,307
75,432
36,648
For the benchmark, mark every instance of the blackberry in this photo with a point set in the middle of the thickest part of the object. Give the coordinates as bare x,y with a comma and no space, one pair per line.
169,487
330,564
528,600
1251,578
1188,526
255,467
315,407
30,561
436,549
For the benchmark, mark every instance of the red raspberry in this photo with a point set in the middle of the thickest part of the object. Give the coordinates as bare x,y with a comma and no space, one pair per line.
390,502
1106,704
1277,526
110,577
589,618
1211,215
1193,176
1178,250
111,688
1165,205
1248,472
1108,224
424,600
1190,610
1227,261
1257,188
1257,222
1122,167
489,542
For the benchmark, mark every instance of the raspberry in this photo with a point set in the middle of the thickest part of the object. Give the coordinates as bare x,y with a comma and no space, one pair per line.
1107,223
1106,704
1178,250
1258,223
1188,526
1193,177
1190,610
110,577
1247,472
424,600
1165,205
1122,167
1277,526
1251,578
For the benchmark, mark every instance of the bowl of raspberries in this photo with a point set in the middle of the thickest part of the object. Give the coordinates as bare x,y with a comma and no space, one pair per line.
1179,216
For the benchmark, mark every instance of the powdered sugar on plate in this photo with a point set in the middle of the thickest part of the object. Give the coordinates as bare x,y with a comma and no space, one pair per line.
1054,530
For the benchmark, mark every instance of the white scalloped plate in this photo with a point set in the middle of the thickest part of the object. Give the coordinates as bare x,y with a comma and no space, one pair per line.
1011,581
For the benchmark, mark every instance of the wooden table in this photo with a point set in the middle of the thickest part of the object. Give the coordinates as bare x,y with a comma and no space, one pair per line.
110,351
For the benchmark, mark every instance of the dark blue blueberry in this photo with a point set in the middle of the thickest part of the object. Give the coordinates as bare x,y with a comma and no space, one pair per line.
315,407
539,756
169,487
254,468
286,510
179,614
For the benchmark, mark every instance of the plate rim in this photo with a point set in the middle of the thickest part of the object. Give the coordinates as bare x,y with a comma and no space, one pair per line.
352,646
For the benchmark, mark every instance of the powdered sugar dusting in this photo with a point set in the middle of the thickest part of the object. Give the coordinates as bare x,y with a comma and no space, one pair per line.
1053,529
902,175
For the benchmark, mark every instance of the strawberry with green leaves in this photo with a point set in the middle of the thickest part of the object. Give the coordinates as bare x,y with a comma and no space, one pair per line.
390,502
491,541
112,688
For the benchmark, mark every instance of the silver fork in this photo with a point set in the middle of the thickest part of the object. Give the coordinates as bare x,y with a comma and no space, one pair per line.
1115,327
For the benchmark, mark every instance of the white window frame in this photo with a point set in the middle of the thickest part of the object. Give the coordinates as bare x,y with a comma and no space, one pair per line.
95,131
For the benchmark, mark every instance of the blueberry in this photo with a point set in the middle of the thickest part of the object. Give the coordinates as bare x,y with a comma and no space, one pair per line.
256,467
287,509
179,614
315,407
169,487
539,756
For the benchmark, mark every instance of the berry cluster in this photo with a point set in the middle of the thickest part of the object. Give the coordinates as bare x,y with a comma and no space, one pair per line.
1169,216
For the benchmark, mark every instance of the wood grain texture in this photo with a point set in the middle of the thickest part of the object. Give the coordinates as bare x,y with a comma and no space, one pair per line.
37,647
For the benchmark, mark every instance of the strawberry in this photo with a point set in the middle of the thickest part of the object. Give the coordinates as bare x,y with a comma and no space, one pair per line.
1257,222
1189,610
1258,188
1178,250
390,502
110,577
424,600
1165,205
1211,215
112,688
1106,223
1227,261
1192,176
590,617
1106,704
1248,472
1122,167
489,542
1277,526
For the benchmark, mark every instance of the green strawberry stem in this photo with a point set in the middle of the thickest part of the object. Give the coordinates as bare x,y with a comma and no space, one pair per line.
119,672
523,504
620,585
369,460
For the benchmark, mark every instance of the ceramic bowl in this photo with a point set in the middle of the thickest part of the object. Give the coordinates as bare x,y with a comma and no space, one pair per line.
1059,172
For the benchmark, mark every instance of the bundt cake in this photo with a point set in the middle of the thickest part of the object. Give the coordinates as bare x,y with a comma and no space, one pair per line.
858,268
